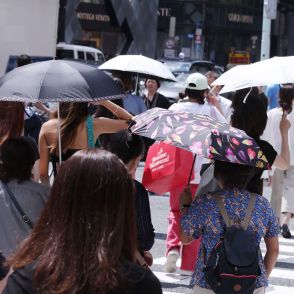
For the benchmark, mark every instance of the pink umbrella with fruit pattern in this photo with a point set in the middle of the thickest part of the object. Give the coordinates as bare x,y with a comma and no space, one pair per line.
200,134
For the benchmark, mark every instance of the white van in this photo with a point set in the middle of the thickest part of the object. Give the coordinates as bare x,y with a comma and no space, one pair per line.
82,53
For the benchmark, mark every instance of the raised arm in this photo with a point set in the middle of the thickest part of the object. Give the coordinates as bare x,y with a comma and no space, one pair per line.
118,111
44,157
282,160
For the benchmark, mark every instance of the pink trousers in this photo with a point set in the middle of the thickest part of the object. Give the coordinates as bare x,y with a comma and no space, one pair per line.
189,252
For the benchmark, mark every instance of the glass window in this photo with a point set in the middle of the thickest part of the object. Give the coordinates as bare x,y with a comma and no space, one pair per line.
100,57
81,55
90,55
64,53
201,67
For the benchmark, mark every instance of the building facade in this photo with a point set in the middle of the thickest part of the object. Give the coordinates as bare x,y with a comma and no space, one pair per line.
201,29
211,29
116,27
214,29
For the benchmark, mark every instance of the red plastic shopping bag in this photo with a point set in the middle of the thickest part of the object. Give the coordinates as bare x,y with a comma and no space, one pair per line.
167,167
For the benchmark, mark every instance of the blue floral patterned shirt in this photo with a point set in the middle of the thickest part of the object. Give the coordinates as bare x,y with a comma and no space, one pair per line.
204,219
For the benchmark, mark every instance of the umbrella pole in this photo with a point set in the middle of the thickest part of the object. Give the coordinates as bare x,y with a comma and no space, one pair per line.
137,81
194,159
59,136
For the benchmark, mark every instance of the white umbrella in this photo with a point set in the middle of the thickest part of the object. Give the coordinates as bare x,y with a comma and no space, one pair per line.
139,64
276,70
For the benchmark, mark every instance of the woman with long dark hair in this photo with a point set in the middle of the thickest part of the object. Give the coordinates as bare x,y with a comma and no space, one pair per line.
85,239
249,115
79,130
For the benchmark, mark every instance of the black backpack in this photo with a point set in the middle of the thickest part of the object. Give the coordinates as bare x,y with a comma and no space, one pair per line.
233,266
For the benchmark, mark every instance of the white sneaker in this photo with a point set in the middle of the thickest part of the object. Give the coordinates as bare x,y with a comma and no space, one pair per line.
171,260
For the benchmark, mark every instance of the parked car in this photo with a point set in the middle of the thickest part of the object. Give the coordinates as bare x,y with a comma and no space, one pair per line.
189,66
171,90
81,53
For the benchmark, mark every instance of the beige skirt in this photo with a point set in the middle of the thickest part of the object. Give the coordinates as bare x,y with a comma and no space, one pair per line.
288,191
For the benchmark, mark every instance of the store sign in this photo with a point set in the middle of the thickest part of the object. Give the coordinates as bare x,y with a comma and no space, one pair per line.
240,18
164,12
94,17
241,57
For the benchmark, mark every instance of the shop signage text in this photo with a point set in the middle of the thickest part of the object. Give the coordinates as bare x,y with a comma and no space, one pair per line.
94,17
240,18
164,11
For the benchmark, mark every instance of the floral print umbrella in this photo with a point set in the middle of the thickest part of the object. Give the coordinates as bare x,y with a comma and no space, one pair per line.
200,134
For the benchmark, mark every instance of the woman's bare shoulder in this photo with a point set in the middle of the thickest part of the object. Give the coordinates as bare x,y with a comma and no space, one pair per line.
50,124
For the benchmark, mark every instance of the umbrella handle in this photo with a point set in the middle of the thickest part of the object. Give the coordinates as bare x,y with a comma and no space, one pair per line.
194,159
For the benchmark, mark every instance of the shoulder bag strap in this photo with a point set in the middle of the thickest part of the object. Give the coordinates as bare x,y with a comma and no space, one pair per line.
223,211
249,210
140,260
23,215
90,132
154,101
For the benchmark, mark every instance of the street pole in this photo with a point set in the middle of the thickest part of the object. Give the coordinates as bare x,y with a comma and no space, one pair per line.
269,13
266,33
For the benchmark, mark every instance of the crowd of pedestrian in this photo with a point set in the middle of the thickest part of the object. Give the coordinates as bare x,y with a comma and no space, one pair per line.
74,219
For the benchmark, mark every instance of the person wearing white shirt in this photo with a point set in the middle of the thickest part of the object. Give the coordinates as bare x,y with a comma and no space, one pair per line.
282,199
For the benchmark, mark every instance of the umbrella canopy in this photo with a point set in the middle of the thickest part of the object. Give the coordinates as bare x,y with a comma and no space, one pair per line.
58,81
139,64
276,70
200,134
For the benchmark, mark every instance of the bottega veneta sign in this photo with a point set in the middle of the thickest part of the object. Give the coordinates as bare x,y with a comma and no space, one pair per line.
94,17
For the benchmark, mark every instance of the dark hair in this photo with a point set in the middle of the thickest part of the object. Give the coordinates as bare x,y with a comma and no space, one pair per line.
157,82
249,115
286,97
124,146
17,160
77,113
23,60
198,95
233,175
125,78
86,231
63,110
11,120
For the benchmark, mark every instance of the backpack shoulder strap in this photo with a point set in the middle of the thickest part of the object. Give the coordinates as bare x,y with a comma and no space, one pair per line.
223,211
249,210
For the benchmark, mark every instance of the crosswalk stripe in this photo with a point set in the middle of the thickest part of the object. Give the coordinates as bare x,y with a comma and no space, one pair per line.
279,289
282,273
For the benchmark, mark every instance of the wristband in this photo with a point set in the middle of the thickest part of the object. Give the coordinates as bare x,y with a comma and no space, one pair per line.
184,206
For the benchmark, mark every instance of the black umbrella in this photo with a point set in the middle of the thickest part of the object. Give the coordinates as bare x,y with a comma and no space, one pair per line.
58,81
